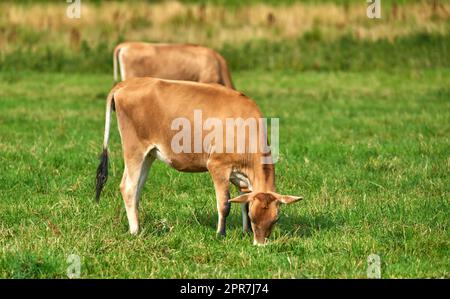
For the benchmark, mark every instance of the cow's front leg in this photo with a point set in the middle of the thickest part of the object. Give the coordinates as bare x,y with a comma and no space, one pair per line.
222,186
246,227
223,206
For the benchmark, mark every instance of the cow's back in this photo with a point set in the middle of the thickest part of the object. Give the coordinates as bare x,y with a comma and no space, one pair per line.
174,62
158,109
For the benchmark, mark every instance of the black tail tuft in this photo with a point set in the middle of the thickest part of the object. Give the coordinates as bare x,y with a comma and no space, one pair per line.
102,174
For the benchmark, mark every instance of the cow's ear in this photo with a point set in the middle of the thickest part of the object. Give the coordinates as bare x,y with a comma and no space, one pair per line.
242,198
288,199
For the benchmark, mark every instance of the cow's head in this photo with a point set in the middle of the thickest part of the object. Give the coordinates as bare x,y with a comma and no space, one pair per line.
263,211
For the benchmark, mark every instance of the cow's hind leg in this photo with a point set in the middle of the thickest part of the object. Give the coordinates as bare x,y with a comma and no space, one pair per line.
134,176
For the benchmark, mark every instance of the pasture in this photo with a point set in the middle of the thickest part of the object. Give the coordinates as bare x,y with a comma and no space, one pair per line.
364,109
368,150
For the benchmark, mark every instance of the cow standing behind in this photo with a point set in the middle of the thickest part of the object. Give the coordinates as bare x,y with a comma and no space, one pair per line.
170,61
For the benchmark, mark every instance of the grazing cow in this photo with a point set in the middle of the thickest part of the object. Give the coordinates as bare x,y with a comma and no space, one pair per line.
171,61
149,113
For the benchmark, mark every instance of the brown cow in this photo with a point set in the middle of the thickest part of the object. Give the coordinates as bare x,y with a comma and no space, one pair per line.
150,113
170,61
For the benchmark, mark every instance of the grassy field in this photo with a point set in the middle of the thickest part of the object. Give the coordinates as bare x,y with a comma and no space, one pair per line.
312,35
364,108
368,150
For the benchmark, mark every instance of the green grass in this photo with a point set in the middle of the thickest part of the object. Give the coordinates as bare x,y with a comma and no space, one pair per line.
368,150
312,52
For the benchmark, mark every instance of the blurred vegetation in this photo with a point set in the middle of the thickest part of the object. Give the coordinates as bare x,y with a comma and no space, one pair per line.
267,35
232,3
348,53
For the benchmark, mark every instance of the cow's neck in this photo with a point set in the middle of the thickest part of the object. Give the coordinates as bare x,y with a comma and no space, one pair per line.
261,176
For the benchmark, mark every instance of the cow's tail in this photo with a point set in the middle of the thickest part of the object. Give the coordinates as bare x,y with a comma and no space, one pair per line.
116,63
102,169
225,72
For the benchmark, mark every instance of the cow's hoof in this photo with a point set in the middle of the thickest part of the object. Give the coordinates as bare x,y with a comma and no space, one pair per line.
221,235
256,243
